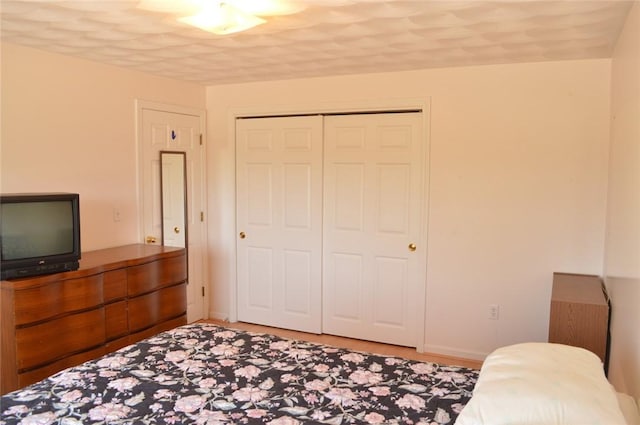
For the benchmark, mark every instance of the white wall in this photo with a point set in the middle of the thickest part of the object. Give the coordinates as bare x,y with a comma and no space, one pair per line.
69,125
517,186
622,260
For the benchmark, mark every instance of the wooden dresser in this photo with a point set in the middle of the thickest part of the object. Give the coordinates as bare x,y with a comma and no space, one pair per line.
580,313
118,296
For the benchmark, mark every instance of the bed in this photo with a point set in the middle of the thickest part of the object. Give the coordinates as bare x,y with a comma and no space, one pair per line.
208,374
544,384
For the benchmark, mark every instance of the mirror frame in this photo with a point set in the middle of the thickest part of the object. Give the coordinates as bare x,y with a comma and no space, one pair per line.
162,203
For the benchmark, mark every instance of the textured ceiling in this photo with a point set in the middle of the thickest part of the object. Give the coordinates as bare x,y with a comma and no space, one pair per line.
328,37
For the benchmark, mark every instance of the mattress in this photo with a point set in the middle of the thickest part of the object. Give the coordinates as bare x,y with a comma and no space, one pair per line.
206,374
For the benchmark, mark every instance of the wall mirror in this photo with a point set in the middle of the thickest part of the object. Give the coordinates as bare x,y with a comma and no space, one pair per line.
173,199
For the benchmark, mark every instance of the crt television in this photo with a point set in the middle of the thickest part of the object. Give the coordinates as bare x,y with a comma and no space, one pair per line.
39,233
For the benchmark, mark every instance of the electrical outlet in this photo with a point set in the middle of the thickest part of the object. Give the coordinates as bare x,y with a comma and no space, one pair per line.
494,311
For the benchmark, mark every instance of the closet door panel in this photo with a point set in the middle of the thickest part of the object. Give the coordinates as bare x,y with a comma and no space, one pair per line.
259,296
279,219
348,193
298,282
344,299
259,184
393,185
390,289
297,196
373,192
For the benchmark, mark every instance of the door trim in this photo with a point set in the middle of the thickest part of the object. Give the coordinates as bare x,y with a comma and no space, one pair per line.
339,107
139,106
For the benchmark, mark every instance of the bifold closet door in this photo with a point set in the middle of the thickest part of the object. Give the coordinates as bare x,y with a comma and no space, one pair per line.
374,259
279,221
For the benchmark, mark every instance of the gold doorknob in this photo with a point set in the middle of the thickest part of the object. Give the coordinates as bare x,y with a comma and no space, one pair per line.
242,235
412,247
151,239
176,229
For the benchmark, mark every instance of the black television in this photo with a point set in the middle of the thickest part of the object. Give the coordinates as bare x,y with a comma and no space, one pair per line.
39,233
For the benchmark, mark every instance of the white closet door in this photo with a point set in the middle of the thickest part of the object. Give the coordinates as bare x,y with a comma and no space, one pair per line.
373,283
279,219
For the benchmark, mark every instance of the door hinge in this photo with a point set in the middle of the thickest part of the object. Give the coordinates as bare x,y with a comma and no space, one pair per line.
203,291
200,139
201,215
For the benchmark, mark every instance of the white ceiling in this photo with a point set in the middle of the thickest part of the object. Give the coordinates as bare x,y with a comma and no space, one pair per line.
329,37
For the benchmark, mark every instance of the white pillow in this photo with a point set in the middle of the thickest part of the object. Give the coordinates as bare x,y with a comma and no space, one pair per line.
629,409
542,383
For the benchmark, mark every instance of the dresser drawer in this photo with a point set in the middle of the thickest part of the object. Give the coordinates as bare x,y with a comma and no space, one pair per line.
156,329
116,320
52,340
115,285
57,298
37,374
156,307
156,274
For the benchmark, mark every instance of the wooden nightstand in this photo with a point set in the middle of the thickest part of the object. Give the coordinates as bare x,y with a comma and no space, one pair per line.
580,313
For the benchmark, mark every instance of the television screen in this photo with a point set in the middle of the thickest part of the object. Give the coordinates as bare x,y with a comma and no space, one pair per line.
36,229
39,233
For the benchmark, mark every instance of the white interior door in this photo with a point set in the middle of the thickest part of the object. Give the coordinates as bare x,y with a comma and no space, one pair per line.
163,130
373,281
279,220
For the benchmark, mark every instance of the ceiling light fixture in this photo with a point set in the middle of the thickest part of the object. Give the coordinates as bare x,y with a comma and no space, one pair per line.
220,17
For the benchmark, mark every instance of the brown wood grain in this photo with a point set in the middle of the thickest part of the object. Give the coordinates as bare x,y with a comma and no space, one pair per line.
8,375
116,320
152,276
40,373
117,344
160,327
155,307
55,321
579,313
42,302
115,285
54,339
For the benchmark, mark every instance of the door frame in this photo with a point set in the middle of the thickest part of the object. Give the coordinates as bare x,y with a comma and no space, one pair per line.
356,106
140,105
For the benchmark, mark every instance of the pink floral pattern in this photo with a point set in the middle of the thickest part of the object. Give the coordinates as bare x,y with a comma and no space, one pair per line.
205,374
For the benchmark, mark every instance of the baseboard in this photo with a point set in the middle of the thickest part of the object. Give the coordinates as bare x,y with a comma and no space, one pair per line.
453,352
218,316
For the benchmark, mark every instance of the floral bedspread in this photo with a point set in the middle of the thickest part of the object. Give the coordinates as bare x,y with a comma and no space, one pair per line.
205,374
